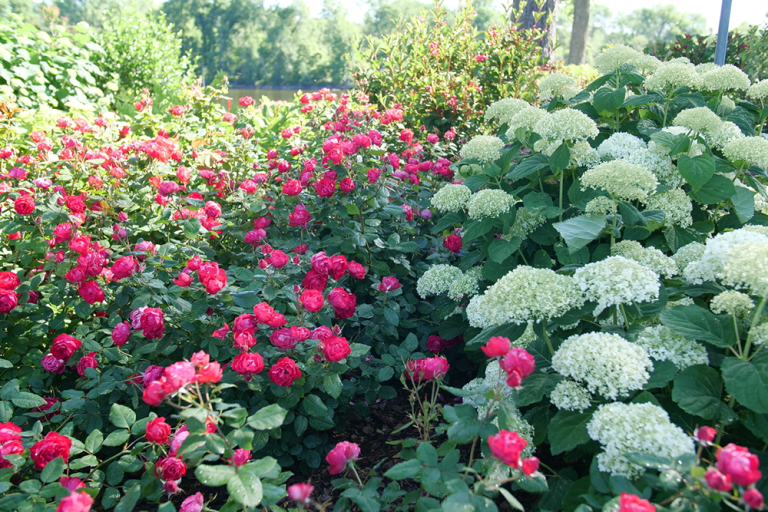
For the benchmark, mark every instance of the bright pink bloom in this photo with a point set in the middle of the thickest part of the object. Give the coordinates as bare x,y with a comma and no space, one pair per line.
518,364
336,348
192,503
87,361
631,503
736,462
76,502
312,300
507,447
158,431
284,372
300,492
428,368
497,346
52,446
388,284
753,498
718,481
340,455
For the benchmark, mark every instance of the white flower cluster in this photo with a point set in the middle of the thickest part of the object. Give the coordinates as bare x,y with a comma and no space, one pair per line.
687,254
604,363
467,285
581,153
557,84
566,124
700,119
726,77
617,280
648,257
705,67
621,179
526,294
748,151
451,198
663,345
759,334
482,147
732,302
525,223
746,267
716,254
600,205
489,203
618,55
673,75
724,134
675,204
526,119
504,109
758,91
657,160
629,428
620,145
570,396
437,279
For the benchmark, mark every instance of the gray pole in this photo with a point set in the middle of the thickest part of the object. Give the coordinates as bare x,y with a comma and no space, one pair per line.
722,33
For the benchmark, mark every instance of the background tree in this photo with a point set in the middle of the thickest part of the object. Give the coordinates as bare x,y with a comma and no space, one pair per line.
538,14
577,53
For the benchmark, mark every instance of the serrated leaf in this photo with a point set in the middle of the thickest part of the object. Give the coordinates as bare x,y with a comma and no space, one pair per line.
567,430
580,231
696,170
245,488
269,417
500,249
121,416
214,476
332,384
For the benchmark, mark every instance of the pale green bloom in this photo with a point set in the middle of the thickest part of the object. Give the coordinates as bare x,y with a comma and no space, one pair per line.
748,151
732,302
726,77
482,147
526,222
663,345
673,75
620,145
648,257
467,285
555,84
601,205
617,280
711,265
724,134
525,119
657,160
489,203
437,279
566,124
616,56
504,109
758,91
570,396
675,204
621,180
687,254
451,198
699,119
747,267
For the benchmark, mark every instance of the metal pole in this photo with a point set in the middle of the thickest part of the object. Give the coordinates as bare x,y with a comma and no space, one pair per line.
722,33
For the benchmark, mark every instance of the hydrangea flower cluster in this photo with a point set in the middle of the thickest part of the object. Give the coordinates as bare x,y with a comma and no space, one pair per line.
675,204
648,257
620,145
629,428
604,363
566,124
621,179
451,198
618,55
687,254
570,396
758,91
700,120
657,160
617,280
526,222
663,345
489,203
725,133
467,285
482,147
558,84
504,109
437,279
732,303
525,295
716,253
747,267
601,205
726,77
526,119
673,75
748,151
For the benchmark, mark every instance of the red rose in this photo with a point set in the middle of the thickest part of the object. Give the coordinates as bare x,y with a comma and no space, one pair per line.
248,363
75,502
121,333
325,187
507,447
246,101
347,185
342,453
631,503
91,292
320,263
282,339
343,302
718,481
24,205
64,346
753,498
284,372
80,244
315,281
193,503
453,243
158,431
123,267
300,492
154,393
71,483
62,232
8,300
736,462
178,375
312,300
299,217
170,468
278,320
278,258
263,312
194,263
529,466
705,434
212,209
152,323
52,446
356,270
52,364
336,348
518,364
337,266
373,175
292,188
76,274
497,346
87,361
183,280
428,368
211,373
388,284
9,281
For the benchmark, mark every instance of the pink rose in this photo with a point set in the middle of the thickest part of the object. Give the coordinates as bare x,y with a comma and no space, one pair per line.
342,453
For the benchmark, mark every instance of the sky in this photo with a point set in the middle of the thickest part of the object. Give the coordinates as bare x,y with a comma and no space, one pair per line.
749,11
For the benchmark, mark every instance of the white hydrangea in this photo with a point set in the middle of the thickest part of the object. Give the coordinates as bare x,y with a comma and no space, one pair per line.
566,124
489,203
526,295
723,134
732,302
706,67
648,257
726,77
746,267
711,265
663,345
621,179
657,160
675,204
477,313
699,119
758,91
451,198
601,205
467,285
437,279
726,105
759,334
525,223
555,84
748,151
620,145
604,363
525,119
482,147
570,396
581,153
617,280
629,428
673,75
687,254
616,56
504,109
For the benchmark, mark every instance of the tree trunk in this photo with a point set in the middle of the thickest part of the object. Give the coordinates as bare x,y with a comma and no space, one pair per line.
579,32
546,22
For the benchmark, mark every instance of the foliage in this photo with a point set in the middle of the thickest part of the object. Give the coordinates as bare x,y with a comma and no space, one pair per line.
440,68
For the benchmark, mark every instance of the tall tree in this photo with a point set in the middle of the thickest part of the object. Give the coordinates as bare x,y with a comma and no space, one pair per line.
540,14
579,32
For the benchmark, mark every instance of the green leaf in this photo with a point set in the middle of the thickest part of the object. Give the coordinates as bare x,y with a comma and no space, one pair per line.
567,430
511,500
717,189
476,181
537,483
191,227
214,476
53,470
27,400
534,388
560,159
630,215
697,324
117,438
500,250
580,231
403,470
269,417
94,441
332,384
246,299
121,416
607,101
648,460
315,406
427,454
697,390
743,204
477,228
697,171
748,381
464,430
128,502
245,488
529,166
541,203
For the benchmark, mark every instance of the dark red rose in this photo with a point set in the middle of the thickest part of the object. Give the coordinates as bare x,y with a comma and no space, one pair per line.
336,348
284,372
337,266
343,302
24,205
312,300
91,292
52,446
453,243
315,281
